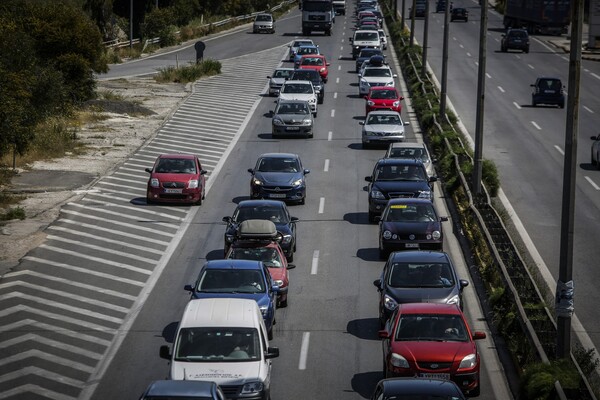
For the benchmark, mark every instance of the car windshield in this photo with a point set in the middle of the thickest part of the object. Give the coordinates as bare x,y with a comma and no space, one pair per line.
299,88
299,43
377,72
306,75
268,255
420,275
409,152
369,52
384,120
366,36
409,213
208,344
312,61
175,166
247,281
278,164
400,173
549,84
282,73
431,327
264,18
274,214
517,34
384,94
308,50
292,108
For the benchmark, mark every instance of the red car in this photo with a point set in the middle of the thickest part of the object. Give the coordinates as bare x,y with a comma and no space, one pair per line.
258,240
176,178
383,98
316,62
432,340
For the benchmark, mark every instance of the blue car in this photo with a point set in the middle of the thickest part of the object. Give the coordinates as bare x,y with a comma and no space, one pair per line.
168,389
278,176
245,279
303,50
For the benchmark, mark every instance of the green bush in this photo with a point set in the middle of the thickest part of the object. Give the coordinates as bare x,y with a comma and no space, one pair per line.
13,213
189,73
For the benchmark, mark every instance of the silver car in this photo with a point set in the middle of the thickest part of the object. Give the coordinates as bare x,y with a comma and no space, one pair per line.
276,80
382,127
411,150
300,90
264,23
292,118
297,43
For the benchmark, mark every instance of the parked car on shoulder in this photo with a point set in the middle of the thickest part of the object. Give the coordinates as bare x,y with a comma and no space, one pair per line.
176,178
549,91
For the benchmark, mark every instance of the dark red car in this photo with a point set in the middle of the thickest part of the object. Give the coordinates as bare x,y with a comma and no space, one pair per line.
316,62
176,178
383,98
430,340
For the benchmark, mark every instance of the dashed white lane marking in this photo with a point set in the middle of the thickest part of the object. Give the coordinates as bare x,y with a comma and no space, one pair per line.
468,54
321,205
339,67
332,113
500,89
588,109
595,75
560,150
304,350
326,166
517,105
536,125
315,263
329,136
335,95
337,80
461,46
530,66
488,75
587,178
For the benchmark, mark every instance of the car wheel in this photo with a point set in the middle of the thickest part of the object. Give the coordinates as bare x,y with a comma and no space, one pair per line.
283,303
270,333
320,100
475,392
597,162
315,114
384,254
562,105
199,202
371,217
503,49
592,159
527,50
533,103
325,80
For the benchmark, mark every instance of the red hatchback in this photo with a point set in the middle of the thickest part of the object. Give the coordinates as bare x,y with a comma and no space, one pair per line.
383,98
431,340
176,178
316,62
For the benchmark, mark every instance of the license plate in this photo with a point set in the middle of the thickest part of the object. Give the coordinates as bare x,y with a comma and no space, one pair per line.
549,91
277,195
172,191
435,376
412,245
292,128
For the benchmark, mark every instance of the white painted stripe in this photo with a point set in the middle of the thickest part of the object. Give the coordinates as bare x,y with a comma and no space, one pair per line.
36,390
335,95
488,75
326,167
116,232
339,67
145,210
501,89
517,105
461,46
137,176
530,66
564,58
52,358
202,144
62,306
536,125
97,259
127,181
468,54
588,109
559,149
52,376
329,136
332,113
595,75
81,285
40,326
321,205
124,216
17,284
50,343
587,178
341,48
315,263
304,350
47,263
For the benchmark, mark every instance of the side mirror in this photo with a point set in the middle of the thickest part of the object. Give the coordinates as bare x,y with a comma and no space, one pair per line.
406,123
148,170
294,219
251,170
383,334
443,219
360,75
328,64
377,218
203,172
275,289
377,283
368,179
268,77
463,283
532,85
401,97
365,97
317,91
291,266
273,352
164,352
189,288
479,335
433,179
395,75
361,122
226,219
306,171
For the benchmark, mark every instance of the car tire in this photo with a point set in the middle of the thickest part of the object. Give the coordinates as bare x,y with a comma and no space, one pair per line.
384,254
562,105
199,202
526,50
371,217
270,333
592,159
503,49
475,392
149,202
597,162
533,103
315,114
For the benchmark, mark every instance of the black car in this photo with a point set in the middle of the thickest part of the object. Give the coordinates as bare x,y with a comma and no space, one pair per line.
459,14
272,210
417,276
515,39
408,224
172,389
397,177
440,6
365,54
310,75
279,176
548,90
419,10
416,388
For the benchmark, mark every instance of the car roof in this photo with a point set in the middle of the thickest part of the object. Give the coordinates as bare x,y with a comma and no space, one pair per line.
180,156
408,200
309,46
428,386
420,255
290,101
429,308
362,31
284,69
376,88
307,71
221,312
400,161
383,112
175,388
279,155
406,145
299,81
233,264
260,202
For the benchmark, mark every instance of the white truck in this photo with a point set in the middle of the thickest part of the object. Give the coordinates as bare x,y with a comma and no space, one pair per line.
339,6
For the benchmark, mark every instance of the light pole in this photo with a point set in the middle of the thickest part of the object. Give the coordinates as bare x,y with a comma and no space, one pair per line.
478,152
445,63
413,13
425,40
130,24
402,16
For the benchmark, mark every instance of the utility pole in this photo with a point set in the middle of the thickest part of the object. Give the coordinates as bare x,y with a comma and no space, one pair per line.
564,286
445,62
402,16
130,24
413,13
478,156
425,40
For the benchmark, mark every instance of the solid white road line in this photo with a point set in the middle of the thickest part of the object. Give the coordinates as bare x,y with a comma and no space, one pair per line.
587,178
304,350
315,263
588,109
560,150
517,105
536,125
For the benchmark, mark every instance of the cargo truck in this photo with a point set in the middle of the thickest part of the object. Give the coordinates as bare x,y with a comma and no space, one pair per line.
339,6
538,16
317,15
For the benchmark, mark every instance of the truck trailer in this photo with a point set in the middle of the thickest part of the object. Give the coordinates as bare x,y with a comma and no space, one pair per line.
538,16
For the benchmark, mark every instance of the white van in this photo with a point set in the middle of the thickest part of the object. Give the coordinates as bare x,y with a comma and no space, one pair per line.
223,340
362,39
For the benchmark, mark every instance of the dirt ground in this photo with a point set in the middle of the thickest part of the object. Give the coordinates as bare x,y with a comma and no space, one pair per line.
47,185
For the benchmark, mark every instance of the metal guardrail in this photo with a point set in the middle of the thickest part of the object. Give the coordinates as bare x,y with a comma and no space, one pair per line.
115,43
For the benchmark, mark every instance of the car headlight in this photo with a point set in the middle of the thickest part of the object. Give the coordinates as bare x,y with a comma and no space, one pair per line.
389,303
256,182
193,184
387,235
229,238
436,235
453,300
277,121
357,47
297,182
370,103
425,194
322,70
264,310
396,103
469,361
306,122
287,239
312,101
376,194
154,183
278,282
252,388
390,83
363,82
398,361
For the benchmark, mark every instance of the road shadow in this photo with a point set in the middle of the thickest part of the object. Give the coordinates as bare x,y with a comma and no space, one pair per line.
359,117
357,218
364,328
588,167
266,136
291,34
355,85
215,255
355,146
369,254
364,383
268,114
237,199
169,332
354,96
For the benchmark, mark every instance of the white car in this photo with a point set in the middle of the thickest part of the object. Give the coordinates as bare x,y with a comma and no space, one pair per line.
411,150
382,127
277,78
375,76
297,43
300,90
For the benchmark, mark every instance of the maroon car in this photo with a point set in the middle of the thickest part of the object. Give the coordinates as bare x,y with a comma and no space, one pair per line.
429,340
176,178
